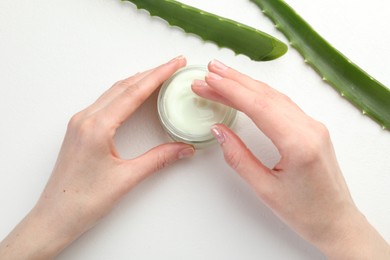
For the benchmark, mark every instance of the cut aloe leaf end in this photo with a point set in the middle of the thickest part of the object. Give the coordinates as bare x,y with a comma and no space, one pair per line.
224,32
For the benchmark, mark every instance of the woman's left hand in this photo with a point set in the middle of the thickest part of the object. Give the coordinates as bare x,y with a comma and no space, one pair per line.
89,177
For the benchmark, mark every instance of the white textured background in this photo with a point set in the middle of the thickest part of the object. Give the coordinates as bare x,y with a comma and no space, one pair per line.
56,57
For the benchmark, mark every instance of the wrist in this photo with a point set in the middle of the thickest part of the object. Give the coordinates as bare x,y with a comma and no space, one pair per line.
353,237
35,237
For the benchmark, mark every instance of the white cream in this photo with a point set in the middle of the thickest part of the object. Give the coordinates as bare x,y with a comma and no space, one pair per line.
188,112
186,116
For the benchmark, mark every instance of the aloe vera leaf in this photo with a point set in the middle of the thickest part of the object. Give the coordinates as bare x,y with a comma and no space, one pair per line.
224,32
362,90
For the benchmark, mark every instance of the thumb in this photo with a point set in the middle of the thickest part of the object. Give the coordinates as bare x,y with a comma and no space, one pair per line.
241,159
158,158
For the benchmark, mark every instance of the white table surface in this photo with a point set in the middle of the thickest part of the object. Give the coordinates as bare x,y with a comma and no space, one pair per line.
56,57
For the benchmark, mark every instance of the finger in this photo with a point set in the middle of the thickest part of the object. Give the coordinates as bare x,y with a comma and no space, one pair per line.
230,73
229,90
201,88
241,159
135,94
156,159
257,86
271,111
248,82
117,89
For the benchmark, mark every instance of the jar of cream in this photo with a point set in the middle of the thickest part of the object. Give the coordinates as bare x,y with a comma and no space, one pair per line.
187,117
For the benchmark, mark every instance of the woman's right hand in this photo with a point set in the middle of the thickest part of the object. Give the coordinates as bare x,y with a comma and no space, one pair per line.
305,188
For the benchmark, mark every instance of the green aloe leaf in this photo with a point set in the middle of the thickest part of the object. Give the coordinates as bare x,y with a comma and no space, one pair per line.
224,32
362,90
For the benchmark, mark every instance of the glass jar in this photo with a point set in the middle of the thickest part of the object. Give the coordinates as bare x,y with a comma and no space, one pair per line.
187,117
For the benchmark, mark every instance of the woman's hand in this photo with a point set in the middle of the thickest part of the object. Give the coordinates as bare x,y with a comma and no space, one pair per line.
89,177
306,188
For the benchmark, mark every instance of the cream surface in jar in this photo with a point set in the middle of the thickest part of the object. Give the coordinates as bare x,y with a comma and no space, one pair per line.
186,116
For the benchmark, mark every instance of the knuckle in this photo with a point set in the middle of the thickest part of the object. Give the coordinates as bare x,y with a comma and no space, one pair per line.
131,90
85,128
260,103
321,132
89,130
130,80
286,98
75,120
118,83
263,101
162,161
313,143
233,158
124,84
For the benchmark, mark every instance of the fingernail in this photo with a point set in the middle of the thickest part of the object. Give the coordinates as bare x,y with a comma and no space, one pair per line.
186,153
218,65
213,76
199,83
218,134
176,59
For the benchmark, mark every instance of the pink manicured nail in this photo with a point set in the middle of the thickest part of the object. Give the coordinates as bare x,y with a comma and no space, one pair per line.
218,134
186,153
218,65
199,83
213,76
